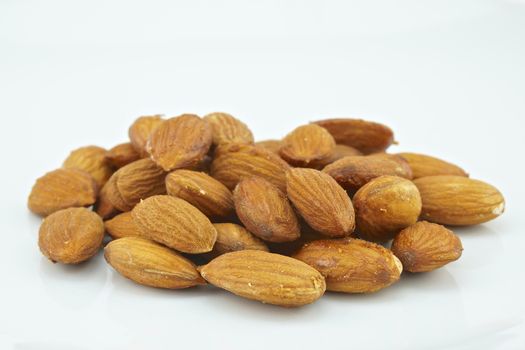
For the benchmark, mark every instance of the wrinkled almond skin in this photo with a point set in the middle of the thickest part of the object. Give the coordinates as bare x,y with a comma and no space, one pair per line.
237,162
71,236
271,145
425,247
175,223
61,189
266,277
340,151
458,200
104,206
353,172
307,146
122,225
352,265
151,264
228,129
322,203
92,160
202,191
121,155
265,210
423,165
385,206
180,142
232,238
402,162
140,131
367,137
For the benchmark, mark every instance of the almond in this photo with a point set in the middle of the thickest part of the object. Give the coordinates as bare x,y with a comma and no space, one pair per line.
425,247
385,206
322,203
104,206
140,131
458,200
151,264
202,191
266,277
307,146
175,223
122,225
423,165
367,137
352,265
60,189
265,210
232,238
271,145
70,236
121,155
340,151
92,160
180,142
228,129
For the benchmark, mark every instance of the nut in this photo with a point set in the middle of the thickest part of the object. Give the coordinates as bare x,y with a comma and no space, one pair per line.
228,129
121,155
423,165
232,238
340,151
92,160
122,225
140,131
307,146
271,145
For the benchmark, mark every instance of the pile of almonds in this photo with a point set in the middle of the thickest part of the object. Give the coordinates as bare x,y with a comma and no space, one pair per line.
191,200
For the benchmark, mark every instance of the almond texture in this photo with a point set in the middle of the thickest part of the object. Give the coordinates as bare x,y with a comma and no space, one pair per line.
232,238
423,165
122,225
340,151
228,129
307,146
121,155
271,145
140,131
92,160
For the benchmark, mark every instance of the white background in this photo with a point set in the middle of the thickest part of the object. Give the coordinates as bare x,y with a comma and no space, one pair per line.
448,76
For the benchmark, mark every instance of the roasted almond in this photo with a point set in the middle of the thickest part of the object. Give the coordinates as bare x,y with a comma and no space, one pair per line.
104,206
228,129
340,151
271,145
121,155
140,131
122,225
232,238
307,146
92,160
423,165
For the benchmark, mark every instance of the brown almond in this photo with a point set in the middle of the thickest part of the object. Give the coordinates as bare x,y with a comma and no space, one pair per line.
265,210
352,265
104,206
228,129
60,189
232,238
271,145
122,225
458,200
322,203
340,151
423,165
266,277
307,146
425,247
121,155
140,131
175,223
148,263
70,236
92,160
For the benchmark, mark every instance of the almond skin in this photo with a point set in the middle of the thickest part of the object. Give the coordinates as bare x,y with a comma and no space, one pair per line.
61,189
232,238
140,131
151,264
228,129
122,225
71,236
425,247
385,206
271,145
340,151
174,223
322,203
423,165
367,137
265,210
180,142
92,160
352,265
104,206
307,146
266,277
202,191
121,155
458,200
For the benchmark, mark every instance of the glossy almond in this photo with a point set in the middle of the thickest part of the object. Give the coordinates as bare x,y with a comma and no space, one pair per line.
265,210
60,189
228,129
352,265
70,236
232,238
180,142
423,165
92,160
271,145
121,155
140,131
458,200
151,264
307,146
322,203
122,225
201,190
266,277
425,247
175,223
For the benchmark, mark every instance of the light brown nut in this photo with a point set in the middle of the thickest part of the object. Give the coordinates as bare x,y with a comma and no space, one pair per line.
425,247
121,155
104,206
265,210
122,225
423,165
92,160
140,131
240,161
202,191
70,236
266,277
353,172
271,145
307,146
180,142
340,151
60,189
402,162
151,264
458,200
233,237
322,203
367,137
228,129
352,265
175,223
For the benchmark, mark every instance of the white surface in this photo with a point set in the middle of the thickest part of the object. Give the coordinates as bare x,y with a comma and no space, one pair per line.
448,76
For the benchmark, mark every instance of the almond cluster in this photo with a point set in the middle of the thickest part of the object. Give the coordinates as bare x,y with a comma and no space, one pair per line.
191,201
